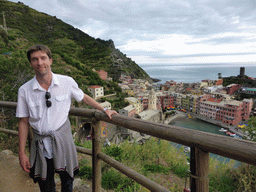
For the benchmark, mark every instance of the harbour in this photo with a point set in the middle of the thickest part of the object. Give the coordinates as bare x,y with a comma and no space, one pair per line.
182,120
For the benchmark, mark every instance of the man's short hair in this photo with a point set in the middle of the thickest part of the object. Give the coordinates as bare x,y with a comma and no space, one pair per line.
38,47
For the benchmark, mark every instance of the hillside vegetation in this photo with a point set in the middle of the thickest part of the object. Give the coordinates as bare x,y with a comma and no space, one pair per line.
75,53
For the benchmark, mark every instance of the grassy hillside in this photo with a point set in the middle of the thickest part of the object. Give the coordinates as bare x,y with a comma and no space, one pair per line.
74,52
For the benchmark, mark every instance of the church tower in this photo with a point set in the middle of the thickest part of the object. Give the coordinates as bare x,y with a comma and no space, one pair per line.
152,100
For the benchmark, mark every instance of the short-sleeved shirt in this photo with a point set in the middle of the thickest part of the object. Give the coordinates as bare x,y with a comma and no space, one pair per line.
32,104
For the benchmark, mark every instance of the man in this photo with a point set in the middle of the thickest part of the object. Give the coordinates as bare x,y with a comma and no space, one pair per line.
44,103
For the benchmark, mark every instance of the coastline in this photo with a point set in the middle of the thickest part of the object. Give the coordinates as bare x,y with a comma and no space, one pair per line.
178,114
181,115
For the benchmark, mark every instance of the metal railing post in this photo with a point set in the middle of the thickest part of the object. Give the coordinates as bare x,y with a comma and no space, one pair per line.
199,167
96,149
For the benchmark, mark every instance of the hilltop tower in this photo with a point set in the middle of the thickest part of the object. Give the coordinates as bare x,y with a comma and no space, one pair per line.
219,76
242,71
152,100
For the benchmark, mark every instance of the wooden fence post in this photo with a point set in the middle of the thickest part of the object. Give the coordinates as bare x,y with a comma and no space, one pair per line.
199,167
96,149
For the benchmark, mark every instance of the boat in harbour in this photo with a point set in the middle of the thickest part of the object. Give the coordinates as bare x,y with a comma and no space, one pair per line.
223,130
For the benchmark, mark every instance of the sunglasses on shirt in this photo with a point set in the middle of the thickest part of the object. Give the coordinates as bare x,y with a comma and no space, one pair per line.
47,97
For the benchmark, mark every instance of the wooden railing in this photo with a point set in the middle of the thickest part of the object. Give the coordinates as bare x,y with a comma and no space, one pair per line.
201,143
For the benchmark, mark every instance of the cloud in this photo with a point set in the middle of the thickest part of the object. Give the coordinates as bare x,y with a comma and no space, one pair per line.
162,28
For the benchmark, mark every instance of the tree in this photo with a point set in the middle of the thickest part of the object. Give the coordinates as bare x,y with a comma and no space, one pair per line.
251,128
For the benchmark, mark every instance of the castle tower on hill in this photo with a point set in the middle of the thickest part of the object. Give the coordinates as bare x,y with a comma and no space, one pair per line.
152,100
242,71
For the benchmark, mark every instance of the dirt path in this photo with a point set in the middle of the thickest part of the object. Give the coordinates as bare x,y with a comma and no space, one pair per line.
12,177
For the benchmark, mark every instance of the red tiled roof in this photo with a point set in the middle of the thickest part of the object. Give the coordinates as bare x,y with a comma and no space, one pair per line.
95,86
214,100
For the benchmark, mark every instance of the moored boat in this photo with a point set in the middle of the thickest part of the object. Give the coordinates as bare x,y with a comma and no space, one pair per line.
223,130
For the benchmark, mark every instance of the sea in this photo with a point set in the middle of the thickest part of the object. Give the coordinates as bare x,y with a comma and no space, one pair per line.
193,73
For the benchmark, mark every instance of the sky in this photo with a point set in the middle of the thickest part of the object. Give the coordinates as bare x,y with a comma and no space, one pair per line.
165,31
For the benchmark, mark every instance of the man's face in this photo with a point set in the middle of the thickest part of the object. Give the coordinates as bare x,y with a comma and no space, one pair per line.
41,63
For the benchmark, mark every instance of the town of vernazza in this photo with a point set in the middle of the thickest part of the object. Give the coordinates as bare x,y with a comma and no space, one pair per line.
181,77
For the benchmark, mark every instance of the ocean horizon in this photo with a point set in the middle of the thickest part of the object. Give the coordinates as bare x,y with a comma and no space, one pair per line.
193,73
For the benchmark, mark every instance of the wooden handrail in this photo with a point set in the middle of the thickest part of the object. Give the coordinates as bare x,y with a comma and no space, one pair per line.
202,142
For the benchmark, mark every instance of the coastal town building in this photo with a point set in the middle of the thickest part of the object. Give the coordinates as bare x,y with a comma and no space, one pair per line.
232,88
103,74
192,103
127,89
137,103
208,99
152,99
166,101
106,104
128,111
185,99
200,99
218,82
150,115
232,112
96,91
208,107
250,91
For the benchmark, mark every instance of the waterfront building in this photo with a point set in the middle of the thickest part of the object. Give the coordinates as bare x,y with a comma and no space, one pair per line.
165,100
199,100
192,103
178,99
247,105
232,112
185,101
208,108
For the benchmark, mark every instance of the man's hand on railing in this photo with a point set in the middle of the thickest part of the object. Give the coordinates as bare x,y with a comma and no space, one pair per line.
109,113
24,162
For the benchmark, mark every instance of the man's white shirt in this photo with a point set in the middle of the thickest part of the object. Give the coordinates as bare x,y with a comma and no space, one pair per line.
32,104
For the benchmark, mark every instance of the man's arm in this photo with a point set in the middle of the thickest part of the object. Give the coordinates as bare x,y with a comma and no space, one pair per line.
90,101
23,135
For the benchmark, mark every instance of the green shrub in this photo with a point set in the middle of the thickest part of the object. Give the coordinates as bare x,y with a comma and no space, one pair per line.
85,172
180,170
156,169
112,179
114,151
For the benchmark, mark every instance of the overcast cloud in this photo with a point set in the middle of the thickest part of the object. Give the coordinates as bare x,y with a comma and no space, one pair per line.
151,31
